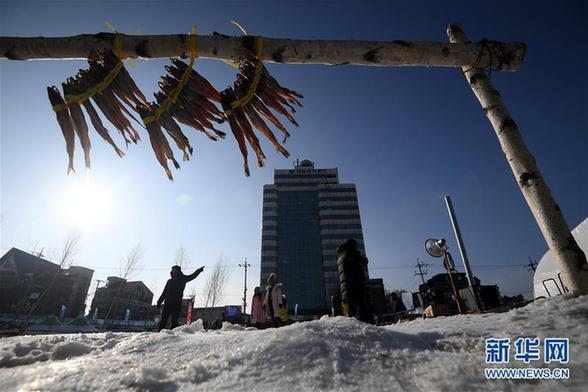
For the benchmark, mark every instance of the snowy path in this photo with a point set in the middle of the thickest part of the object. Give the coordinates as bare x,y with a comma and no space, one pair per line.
443,354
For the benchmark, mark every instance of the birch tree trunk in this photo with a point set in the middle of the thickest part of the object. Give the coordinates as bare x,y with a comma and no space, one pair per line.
502,56
569,258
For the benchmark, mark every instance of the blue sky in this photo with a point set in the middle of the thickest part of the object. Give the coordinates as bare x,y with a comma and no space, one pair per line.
405,136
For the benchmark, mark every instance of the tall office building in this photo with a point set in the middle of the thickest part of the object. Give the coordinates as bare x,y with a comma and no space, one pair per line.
307,214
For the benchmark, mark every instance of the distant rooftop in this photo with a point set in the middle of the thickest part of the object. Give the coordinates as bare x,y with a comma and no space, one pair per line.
304,163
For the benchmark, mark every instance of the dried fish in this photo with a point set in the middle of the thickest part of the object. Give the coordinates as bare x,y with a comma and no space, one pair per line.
79,121
188,101
159,143
258,123
123,81
74,86
227,98
174,130
185,97
115,94
65,123
198,80
247,114
108,103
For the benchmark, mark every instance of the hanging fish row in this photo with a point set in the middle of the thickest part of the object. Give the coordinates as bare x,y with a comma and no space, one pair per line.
268,94
195,106
110,102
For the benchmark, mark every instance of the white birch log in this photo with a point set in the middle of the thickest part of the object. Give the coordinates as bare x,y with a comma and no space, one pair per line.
501,56
570,259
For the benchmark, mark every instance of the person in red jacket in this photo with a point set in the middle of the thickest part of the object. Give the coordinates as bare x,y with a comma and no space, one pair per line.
257,312
172,295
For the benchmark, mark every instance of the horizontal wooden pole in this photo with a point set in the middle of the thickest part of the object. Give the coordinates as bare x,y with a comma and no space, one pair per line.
485,54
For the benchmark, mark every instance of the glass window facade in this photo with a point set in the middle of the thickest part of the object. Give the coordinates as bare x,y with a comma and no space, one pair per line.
292,243
299,249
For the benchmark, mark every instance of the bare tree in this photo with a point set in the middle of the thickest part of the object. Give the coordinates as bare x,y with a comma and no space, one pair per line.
65,260
131,265
215,285
182,258
66,257
132,262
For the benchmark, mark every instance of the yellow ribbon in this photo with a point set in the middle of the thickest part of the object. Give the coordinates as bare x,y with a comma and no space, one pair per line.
69,99
256,78
235,23
165,106
235,64
130,62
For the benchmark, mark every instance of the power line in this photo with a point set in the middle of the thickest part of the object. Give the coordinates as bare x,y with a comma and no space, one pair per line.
476,266
167,268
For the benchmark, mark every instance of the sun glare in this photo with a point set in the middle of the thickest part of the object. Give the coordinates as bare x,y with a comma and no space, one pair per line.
87,204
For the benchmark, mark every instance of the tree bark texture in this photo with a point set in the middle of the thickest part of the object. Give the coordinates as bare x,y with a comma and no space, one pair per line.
497,55
570,259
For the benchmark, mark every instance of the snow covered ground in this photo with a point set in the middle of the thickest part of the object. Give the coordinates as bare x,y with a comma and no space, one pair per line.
443,354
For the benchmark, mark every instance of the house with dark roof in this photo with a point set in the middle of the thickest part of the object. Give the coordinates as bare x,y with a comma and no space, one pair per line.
29,282
119,295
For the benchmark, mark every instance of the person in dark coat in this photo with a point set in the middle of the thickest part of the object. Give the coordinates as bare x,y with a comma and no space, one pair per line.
354,290
396,303
336,305
172,295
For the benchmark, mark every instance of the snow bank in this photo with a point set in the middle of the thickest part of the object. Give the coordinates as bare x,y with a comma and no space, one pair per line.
338,353
196,326
31,349
232,327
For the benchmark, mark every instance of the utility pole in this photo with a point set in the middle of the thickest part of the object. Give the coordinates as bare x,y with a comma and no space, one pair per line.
245,265
422,270
460,244
98,281
532,265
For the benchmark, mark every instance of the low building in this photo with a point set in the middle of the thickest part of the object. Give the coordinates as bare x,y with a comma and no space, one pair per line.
31,283
120,296
438,290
